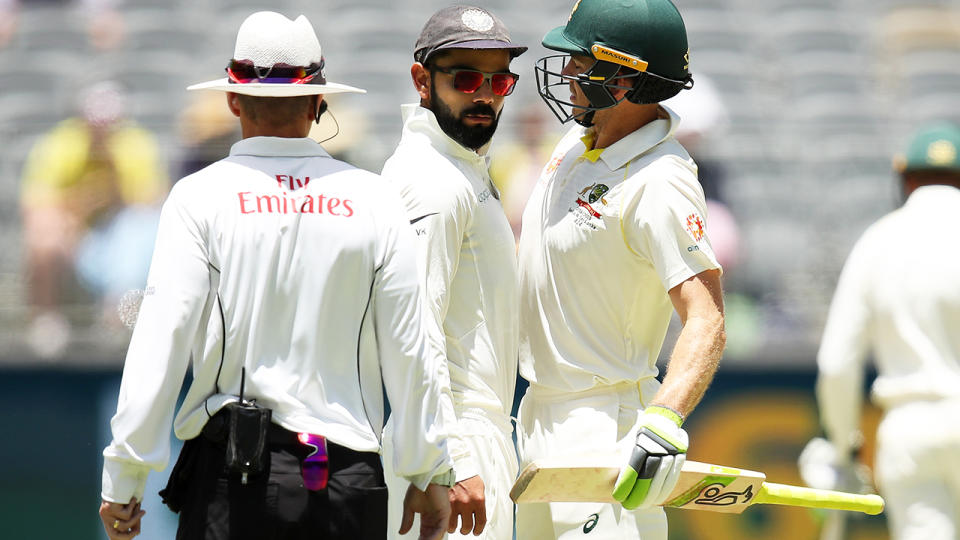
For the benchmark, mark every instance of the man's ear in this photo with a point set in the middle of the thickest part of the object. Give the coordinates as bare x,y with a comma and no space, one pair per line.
233,103
421,81
320,107
628,82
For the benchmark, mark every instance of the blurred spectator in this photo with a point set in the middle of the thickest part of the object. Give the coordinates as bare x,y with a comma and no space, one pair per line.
899,298
207,131
90,196
8,20
515,165
104,23
702,115
344,132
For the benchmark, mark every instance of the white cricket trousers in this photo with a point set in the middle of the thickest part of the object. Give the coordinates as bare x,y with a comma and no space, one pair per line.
918,469
490,441
603,420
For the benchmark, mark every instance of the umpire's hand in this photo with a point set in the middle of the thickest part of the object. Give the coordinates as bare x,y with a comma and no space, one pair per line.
433,506
121,521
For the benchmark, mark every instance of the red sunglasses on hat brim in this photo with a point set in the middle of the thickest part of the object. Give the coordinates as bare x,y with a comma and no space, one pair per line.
245,72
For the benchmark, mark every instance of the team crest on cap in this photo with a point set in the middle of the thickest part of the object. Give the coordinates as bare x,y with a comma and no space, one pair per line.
941,152
695,226
476,20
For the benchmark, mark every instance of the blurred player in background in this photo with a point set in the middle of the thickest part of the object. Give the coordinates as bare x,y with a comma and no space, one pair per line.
899,298
90,201
290,279
613,241
467,251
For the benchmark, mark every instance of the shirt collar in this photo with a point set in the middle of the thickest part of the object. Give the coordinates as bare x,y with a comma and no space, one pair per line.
934,192
422,121
636,143
278,147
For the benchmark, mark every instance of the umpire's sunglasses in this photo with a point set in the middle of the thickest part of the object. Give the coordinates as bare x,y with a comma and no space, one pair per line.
244,71
469,81
315,468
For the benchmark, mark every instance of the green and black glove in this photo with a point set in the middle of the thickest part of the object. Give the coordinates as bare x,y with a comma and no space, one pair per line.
654,467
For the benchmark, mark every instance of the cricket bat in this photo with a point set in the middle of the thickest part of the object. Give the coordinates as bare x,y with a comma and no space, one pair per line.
701,486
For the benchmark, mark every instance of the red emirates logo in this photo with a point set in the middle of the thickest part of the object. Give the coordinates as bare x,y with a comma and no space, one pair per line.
257,203
695,227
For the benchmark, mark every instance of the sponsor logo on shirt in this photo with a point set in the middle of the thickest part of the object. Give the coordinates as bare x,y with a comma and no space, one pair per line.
291,182
421,231
591,523
260,203
695,226
552,165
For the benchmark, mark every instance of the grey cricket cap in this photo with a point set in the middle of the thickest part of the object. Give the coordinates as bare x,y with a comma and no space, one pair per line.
463,27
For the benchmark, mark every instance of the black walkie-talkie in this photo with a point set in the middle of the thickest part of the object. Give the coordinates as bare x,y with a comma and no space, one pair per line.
247,437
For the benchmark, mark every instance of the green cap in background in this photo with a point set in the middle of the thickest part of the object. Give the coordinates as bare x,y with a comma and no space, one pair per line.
651,30
933,147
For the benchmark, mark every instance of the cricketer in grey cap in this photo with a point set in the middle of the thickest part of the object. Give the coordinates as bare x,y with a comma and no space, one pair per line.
461,72
463,27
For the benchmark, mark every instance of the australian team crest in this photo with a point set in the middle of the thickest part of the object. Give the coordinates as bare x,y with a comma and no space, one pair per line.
597,193
591,196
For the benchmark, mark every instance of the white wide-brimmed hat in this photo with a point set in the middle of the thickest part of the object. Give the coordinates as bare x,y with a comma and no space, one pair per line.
280,58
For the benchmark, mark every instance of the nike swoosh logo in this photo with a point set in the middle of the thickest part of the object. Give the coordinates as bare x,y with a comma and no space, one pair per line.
414,220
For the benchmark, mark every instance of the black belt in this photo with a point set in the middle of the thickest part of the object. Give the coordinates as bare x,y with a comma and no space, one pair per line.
218,426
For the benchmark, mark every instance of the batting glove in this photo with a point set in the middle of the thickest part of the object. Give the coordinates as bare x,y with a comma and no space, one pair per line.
654,467
823,466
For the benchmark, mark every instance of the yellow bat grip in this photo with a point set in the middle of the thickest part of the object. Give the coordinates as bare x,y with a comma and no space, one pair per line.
771,493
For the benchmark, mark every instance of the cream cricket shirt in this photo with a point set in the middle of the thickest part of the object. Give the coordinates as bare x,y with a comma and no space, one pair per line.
899,296
468,254
606,233
300,268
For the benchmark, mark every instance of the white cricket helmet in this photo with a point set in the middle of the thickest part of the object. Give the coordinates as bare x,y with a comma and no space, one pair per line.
276,57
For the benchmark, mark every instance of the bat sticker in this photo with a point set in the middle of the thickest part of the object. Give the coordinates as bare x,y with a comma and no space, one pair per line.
713,495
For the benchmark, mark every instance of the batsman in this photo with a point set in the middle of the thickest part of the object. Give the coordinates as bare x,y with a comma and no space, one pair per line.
613,241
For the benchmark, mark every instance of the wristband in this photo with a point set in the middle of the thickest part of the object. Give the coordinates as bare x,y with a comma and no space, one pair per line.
666,412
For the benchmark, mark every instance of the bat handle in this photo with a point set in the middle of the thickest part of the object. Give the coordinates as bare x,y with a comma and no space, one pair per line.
771,493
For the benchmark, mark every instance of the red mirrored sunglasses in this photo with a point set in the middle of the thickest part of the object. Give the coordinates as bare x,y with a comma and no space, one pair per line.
469,81
315,468
244,71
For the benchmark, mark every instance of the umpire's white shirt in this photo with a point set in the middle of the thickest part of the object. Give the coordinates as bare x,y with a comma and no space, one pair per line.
300,268
606,233
468,255
899,296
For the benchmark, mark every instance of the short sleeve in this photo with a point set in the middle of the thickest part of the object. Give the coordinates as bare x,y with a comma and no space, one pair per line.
664,220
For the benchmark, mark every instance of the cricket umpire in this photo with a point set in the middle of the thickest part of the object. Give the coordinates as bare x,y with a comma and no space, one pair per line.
613,241
898,297
290,279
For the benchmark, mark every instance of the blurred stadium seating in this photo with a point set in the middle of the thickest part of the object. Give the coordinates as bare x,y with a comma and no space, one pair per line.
820,93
